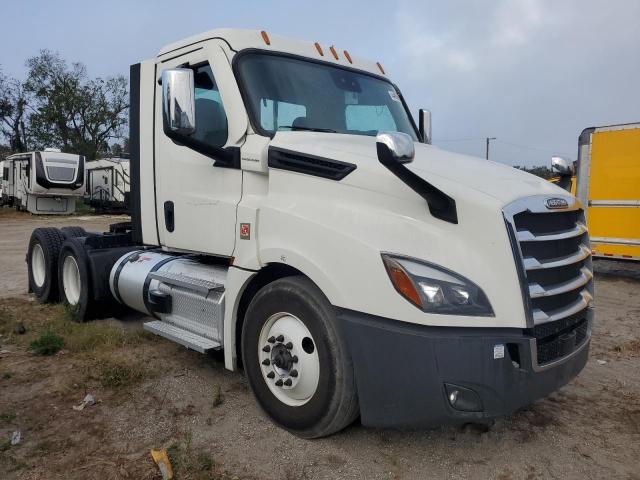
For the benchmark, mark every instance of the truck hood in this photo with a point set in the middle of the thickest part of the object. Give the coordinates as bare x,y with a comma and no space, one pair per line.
439,167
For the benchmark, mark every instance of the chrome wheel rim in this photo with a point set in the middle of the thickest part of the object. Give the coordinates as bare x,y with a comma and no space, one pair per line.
71,280
289,359
38,269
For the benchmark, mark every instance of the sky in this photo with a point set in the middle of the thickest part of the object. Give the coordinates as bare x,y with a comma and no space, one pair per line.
532,73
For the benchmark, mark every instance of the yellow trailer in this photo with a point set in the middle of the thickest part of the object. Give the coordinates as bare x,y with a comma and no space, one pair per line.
608,185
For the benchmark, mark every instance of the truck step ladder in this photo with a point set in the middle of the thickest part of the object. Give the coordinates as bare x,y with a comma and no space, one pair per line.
184,337
190,283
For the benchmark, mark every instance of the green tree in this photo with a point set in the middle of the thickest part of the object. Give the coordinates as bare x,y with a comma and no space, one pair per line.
13,113
540,171
71,111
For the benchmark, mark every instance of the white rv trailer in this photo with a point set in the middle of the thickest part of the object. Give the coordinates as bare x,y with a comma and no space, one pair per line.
108,185
44,182
287,210
3,182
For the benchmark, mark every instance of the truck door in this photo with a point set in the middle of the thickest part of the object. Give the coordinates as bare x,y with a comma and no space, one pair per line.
196,200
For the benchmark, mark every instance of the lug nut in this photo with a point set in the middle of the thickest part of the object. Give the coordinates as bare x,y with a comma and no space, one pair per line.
289,345
266,348
294,373
271,375
279,383
280,338
288,382
266,361
295,359
272,339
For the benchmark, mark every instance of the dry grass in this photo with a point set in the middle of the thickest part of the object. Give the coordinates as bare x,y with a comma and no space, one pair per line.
40,319
190,463
628,349
101,349
116,373
10,212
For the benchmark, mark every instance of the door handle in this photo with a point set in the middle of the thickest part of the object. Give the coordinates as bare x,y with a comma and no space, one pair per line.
169,216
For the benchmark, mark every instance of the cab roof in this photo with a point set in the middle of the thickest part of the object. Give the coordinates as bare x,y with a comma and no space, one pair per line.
242,39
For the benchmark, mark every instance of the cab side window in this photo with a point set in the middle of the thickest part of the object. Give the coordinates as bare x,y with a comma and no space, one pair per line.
211,121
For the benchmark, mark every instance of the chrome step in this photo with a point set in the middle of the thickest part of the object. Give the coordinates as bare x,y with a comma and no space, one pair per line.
184,337
190,283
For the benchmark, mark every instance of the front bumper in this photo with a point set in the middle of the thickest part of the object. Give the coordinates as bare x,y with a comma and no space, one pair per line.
401,370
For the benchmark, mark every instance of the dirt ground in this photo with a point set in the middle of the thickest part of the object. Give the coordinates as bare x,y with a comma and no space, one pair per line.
15,230
155,394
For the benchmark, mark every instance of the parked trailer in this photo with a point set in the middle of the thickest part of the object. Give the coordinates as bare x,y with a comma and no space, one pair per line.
287,210
6,184
608,183
45,182
3,182
108,185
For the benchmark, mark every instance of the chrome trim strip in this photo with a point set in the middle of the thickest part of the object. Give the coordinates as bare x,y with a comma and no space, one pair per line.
538,291
535,204
617,241
540,317
527,236
613,128
614,203
531,263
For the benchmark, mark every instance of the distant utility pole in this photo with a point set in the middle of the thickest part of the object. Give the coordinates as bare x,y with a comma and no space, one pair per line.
488,140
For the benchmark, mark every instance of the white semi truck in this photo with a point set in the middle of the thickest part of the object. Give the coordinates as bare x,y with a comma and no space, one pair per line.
287,210
46,182
108,185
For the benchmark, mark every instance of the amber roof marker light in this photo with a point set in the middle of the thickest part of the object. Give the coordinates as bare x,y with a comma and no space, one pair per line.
265,37
380,67
319,49
347,56
333,51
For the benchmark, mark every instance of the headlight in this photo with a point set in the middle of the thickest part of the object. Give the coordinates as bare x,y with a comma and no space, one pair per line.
435,289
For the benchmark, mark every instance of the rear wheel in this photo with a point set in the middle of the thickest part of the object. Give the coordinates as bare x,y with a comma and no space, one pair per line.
73,232
42,263
74,281
297,364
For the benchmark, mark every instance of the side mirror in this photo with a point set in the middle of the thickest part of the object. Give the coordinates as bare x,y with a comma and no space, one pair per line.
562,166
424,120
178,103
394,147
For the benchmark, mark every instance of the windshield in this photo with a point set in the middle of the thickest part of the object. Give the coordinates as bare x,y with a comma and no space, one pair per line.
285,93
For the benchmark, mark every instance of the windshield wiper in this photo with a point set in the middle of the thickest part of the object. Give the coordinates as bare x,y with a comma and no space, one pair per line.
309,129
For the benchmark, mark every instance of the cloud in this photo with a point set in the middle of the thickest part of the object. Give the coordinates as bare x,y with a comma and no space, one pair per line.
531,72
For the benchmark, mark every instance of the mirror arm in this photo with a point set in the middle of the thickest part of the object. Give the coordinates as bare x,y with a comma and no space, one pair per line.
228,157
441,205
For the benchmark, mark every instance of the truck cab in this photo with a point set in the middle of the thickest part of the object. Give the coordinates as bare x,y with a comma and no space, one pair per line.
288,210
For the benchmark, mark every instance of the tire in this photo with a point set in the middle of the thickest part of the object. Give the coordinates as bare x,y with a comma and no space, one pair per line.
42,263
287,307
73,232
75,283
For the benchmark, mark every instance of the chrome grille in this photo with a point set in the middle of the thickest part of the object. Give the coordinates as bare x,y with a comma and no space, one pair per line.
555,262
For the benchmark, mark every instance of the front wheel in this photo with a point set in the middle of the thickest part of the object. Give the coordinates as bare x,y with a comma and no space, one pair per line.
297,364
